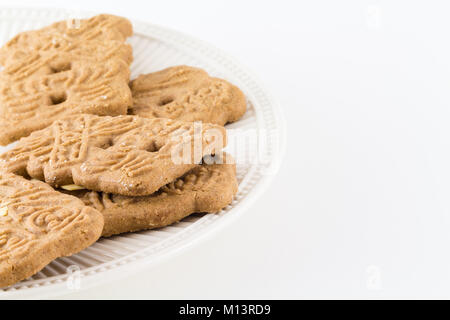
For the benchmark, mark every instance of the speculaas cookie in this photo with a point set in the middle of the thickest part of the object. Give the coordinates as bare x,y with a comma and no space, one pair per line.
125,155
206,188
38,225
68,36
186,93
56,72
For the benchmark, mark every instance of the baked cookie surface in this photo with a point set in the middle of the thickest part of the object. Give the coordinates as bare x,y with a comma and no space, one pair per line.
38,225
59,71
206,188
186,93
123,155
66,36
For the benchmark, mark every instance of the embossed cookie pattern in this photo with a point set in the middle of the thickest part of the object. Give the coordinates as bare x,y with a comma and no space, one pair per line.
128,155
186,93
68,36
124,155
38,225
56,72
206,188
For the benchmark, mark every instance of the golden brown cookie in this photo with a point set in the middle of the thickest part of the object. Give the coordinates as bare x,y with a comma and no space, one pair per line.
56,72
68,36
123,155
186,93
206,188
38,225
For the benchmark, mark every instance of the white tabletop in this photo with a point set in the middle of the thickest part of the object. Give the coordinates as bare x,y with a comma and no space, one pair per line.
360,207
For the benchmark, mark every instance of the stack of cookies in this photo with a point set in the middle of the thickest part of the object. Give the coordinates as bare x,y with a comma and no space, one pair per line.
99,155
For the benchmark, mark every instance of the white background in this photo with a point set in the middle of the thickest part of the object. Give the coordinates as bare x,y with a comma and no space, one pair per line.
360,207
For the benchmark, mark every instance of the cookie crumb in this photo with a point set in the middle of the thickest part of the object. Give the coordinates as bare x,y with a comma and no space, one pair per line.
72,187
3,211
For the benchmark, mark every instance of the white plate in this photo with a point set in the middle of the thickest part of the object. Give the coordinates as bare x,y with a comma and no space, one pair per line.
155,48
